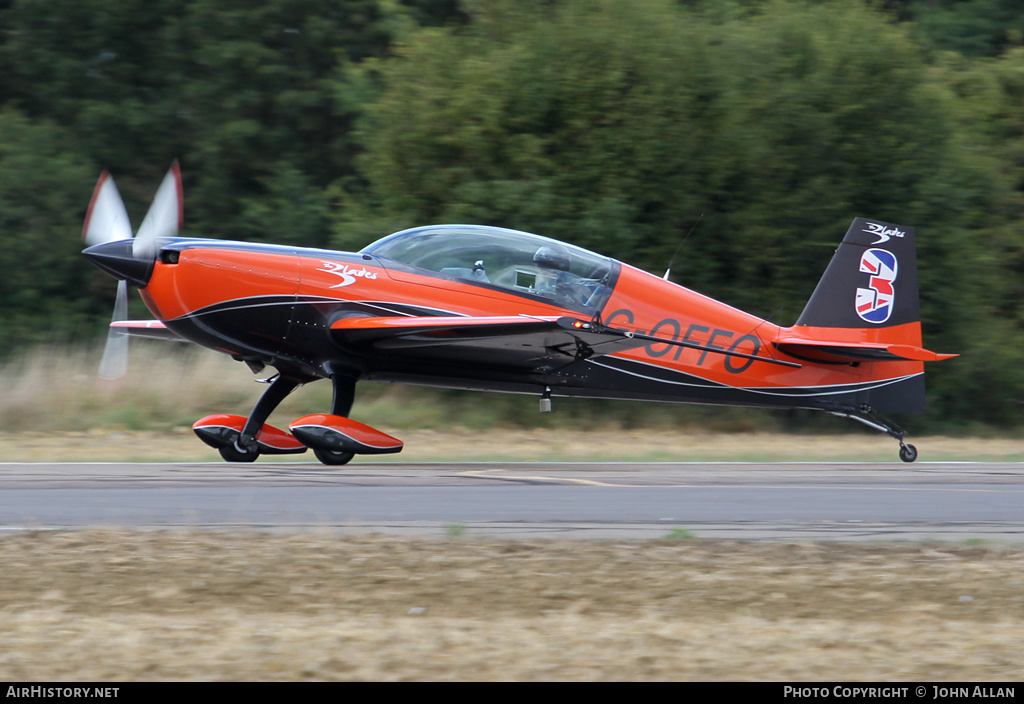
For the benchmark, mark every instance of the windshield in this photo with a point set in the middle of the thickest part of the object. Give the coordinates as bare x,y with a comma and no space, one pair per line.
508,259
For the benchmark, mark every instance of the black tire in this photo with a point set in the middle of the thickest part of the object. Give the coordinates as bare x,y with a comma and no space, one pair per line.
335,457
908,453
233,453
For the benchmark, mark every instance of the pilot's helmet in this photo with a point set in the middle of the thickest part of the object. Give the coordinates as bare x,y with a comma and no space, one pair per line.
552,257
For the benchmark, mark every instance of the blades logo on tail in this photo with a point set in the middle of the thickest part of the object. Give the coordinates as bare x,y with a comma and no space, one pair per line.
884,233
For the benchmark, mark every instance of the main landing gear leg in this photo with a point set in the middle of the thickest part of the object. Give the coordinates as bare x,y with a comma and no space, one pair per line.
908,453
341,405
344,395
245,449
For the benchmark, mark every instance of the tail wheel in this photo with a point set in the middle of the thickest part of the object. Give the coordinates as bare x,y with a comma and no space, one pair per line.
335,457
234,453
908,453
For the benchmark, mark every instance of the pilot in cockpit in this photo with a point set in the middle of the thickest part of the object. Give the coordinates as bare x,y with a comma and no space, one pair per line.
553,276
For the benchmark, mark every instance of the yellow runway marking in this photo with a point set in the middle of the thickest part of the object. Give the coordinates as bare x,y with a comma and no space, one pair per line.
559,480
591,482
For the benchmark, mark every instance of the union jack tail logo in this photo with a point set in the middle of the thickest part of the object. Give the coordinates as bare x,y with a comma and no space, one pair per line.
874,304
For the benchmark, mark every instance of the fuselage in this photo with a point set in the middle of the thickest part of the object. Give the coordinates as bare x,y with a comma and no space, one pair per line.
275,305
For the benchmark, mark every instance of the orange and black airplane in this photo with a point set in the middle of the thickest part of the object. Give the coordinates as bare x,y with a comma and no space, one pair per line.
486,308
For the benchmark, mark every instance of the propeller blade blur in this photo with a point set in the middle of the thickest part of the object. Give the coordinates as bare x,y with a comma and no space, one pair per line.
114,364
106,219
165,215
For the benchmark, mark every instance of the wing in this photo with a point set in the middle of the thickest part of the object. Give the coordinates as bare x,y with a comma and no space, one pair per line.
153,329
511,341
517,341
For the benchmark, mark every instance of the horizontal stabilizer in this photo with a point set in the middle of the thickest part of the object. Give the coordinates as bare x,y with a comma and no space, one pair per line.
833,351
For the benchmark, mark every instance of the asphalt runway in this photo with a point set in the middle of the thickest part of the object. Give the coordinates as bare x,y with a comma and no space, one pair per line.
784,501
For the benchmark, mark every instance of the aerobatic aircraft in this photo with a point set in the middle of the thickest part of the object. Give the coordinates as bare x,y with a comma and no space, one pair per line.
492,309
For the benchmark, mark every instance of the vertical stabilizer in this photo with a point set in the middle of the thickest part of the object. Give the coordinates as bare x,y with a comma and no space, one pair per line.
870,283
865,313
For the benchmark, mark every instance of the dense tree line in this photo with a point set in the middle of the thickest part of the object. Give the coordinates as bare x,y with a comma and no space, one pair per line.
615,125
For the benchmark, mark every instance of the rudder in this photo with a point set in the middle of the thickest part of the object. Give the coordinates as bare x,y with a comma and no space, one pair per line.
870,283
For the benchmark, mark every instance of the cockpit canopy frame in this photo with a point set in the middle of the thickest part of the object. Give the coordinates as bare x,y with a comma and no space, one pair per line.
509,260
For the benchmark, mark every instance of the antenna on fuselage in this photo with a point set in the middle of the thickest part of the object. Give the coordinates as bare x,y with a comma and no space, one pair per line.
766,320
681,243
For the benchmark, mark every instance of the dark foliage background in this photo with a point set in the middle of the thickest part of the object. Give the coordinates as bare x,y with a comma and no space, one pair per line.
613,124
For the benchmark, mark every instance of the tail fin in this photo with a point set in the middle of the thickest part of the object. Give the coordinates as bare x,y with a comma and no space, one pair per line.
871,282
865,309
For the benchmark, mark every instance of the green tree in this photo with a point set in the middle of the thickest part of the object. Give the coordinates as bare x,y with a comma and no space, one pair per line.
44,188
251,98
245,95
615,126
971,27
540,116
989,324
266,117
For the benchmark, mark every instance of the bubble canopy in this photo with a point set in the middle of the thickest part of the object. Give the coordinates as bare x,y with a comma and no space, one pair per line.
507,259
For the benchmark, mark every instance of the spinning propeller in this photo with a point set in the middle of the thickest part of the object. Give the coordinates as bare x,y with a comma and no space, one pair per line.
108,232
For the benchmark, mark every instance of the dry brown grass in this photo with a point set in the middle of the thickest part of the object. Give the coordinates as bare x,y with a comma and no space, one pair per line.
136,605
52,409
57,389
426,445
109,605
